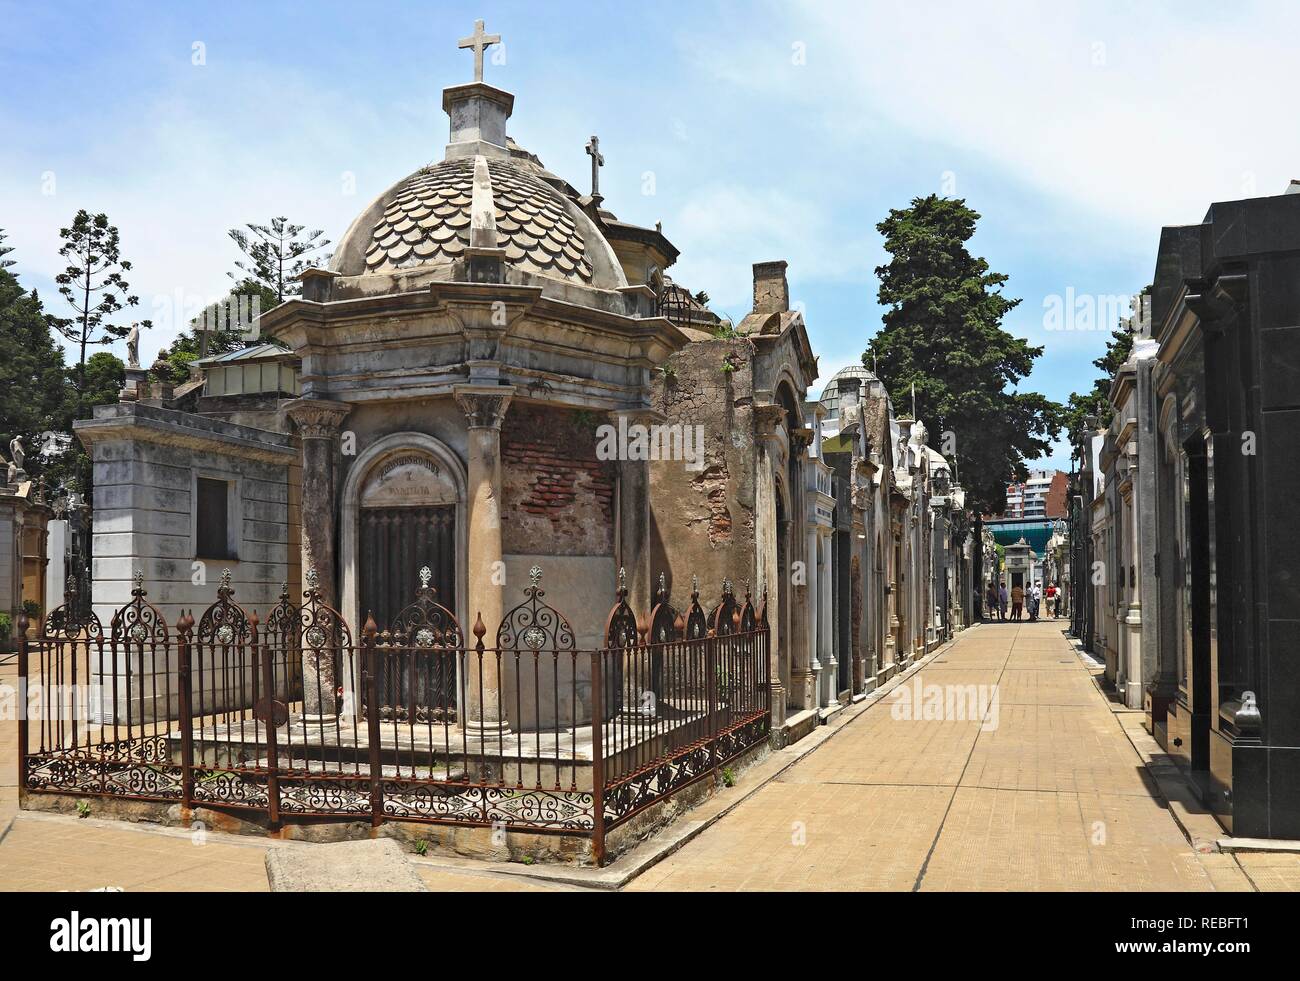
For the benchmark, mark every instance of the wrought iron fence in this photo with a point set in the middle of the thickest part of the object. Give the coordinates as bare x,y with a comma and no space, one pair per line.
295,716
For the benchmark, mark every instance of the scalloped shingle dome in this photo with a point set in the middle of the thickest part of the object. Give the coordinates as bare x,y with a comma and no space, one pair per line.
428,221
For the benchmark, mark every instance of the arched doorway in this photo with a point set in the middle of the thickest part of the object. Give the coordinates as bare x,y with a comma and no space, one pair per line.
403,510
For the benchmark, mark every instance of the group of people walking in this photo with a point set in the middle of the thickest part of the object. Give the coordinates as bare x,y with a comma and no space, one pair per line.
997,599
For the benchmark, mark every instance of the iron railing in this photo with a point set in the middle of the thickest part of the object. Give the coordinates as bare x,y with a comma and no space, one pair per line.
294,716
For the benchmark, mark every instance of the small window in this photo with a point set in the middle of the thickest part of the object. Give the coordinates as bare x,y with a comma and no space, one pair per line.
212,520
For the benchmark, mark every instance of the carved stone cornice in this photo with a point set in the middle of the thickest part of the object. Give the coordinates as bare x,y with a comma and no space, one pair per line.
317,418
484,405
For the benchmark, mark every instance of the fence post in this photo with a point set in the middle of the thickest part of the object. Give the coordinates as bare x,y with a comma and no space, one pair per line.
186,708
597,760
370,685
711,688
24,700
267,704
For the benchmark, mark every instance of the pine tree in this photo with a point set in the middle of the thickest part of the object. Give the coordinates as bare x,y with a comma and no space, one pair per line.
94,286
943,334
277,256
4,251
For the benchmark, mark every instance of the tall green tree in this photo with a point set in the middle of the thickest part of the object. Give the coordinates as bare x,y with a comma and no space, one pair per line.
276,254
33,386
94,285
943,337
4,251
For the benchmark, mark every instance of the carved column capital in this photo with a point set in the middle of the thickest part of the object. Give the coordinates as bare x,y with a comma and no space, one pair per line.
317,418
768,419
640,416
484,405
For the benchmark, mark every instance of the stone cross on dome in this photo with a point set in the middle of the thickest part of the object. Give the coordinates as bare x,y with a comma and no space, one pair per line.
480,42
597,161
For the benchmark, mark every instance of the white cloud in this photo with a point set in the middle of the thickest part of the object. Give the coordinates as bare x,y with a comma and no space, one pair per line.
1139,115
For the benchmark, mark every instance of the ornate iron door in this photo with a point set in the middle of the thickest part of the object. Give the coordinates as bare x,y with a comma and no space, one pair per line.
395,544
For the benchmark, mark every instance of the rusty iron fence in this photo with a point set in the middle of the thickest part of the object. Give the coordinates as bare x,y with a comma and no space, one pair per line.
295,716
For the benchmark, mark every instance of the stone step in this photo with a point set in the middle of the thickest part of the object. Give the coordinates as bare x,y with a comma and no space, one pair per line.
377,865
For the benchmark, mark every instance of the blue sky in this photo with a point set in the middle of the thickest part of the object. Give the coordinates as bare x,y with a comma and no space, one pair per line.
753,131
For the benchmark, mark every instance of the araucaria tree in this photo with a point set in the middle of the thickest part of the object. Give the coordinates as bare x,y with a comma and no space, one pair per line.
943,334
93,285
277,255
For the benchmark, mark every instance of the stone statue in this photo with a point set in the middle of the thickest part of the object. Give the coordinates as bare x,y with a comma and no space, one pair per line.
133,347
17,453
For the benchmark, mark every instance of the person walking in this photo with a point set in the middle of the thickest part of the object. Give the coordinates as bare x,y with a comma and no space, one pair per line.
1002,600
1017,602
1035,600
1051,600
991,601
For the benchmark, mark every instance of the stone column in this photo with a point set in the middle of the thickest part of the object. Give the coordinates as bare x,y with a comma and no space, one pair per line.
768,576
318,422
634,511
802,598
810,671
1133,618
484,407
828,634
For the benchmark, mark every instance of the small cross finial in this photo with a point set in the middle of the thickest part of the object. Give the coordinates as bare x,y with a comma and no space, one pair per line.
480,42
313,580
597,161
425,576
139,579
622,580
535,576
225,578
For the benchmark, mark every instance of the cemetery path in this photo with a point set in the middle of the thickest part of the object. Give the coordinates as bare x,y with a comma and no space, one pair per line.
1040,788
1037,788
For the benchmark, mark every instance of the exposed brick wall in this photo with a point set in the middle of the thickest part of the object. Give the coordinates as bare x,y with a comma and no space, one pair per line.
558,497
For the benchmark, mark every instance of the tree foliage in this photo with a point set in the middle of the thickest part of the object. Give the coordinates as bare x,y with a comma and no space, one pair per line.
93,284
277,255
4,251
199,341
34,395
943,334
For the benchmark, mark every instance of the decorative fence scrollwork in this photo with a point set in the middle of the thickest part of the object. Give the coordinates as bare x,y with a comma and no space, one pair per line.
275,716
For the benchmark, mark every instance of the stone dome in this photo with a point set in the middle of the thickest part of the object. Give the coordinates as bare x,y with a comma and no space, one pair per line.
425,220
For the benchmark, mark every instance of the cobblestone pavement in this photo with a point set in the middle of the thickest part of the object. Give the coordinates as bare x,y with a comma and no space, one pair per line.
1041,789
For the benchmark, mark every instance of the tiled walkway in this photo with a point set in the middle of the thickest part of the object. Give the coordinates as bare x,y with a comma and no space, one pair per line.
1040,790
1046,792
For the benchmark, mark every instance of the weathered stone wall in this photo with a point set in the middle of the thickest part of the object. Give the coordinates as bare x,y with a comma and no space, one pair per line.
145,463
702,520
